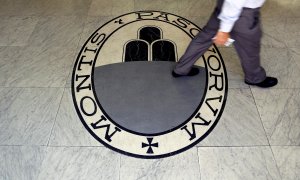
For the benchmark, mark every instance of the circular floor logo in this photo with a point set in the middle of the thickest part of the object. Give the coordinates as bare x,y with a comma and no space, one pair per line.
126,97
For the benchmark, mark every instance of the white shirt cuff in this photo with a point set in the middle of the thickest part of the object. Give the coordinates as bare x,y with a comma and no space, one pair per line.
226,27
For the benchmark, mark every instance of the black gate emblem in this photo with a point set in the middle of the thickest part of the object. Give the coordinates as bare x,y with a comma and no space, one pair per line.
150,46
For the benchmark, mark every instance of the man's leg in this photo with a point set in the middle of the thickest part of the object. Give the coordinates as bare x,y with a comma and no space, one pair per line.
198,46
247,34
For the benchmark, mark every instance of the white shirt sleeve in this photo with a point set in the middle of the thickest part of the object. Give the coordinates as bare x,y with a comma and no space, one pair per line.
230,12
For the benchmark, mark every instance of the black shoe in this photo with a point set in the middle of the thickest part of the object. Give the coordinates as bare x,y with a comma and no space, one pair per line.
268,82
193,72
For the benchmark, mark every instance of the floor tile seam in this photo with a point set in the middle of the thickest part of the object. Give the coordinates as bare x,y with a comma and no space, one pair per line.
266,135
56,16
56,116
277,167
82,31
19,16
78,45
273,156
20,87
37,46
51,146
253,146
238,87
279,88
44,87
199,162
40,20
178,10
74,146
232,146
101,146
134,4
120,159
298,146
74,59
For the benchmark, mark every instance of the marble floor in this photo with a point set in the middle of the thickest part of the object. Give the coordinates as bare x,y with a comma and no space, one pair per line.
41,136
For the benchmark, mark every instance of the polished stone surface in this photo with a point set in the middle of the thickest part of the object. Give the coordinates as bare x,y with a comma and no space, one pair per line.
68,129
281,63
288,161
233,68
239,128
21,162
110,7
15,31
183,166
202,8
237,163
34,66
42,137
53,31
80,163
280,113
27,115
170,6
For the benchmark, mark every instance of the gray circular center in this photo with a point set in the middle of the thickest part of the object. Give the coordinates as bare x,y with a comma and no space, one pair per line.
144,97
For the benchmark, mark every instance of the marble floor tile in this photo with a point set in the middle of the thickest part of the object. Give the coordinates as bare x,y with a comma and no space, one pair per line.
233,68
279,62
15,31
68,129
288,161
294,7
20,7
202,8
276,8
80,163
295,53
45,7
65,7
292,33
57,31
200,21
27,115
90,26
274,31
237,163
170,6
281,32
182,166
279,8
69,79
35,66
110,7
20,162
280,113
239,125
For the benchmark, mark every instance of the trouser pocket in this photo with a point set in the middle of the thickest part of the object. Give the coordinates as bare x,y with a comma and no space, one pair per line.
255,20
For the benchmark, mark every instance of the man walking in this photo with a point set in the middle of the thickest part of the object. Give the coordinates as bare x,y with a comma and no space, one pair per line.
240,20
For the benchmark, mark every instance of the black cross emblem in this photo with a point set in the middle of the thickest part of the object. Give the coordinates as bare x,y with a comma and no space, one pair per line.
150,145
120,21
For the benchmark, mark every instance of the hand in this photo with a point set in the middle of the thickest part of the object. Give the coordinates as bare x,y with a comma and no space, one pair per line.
221,38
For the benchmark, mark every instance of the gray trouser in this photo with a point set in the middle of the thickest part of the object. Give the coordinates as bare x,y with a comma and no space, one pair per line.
247,35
